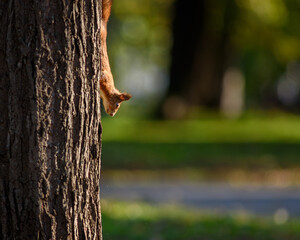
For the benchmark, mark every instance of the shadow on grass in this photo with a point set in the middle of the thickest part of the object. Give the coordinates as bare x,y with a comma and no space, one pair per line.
212,228
211,156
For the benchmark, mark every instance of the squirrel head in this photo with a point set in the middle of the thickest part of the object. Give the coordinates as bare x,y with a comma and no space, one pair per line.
113,103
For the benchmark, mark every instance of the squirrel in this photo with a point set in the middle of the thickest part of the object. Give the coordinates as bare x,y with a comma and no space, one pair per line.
111,97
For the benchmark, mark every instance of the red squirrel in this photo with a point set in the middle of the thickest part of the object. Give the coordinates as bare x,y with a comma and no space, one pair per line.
111,97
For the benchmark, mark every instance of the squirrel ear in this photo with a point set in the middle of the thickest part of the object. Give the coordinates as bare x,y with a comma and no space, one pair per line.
124,97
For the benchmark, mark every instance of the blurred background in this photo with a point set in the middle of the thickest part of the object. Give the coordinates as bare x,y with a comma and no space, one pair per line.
209,145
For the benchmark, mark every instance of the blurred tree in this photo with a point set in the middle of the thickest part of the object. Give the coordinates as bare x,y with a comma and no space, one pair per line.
260,39
201,51
267,37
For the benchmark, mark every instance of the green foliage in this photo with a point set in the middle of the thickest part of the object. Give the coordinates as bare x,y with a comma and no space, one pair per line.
264,39
139,31
138,221
266,36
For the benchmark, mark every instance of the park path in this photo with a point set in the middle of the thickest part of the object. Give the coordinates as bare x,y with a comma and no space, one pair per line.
216,196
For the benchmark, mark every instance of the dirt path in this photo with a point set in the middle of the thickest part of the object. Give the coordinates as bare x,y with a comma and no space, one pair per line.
261,200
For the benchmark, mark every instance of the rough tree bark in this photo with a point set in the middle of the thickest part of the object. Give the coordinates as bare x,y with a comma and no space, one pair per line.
50,125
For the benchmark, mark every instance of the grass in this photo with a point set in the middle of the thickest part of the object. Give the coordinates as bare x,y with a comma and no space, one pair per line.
274,129
250,143
140,221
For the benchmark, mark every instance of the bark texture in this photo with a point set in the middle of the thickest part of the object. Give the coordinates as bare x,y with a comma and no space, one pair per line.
50,127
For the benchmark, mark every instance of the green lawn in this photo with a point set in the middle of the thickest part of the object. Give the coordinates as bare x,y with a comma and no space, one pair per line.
215,130
249,143
136,221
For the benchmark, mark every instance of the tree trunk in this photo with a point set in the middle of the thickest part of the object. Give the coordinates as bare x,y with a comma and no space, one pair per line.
50,127
212,54
200,53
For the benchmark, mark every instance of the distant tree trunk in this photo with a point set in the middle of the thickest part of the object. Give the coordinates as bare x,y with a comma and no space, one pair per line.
50,127
201,32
